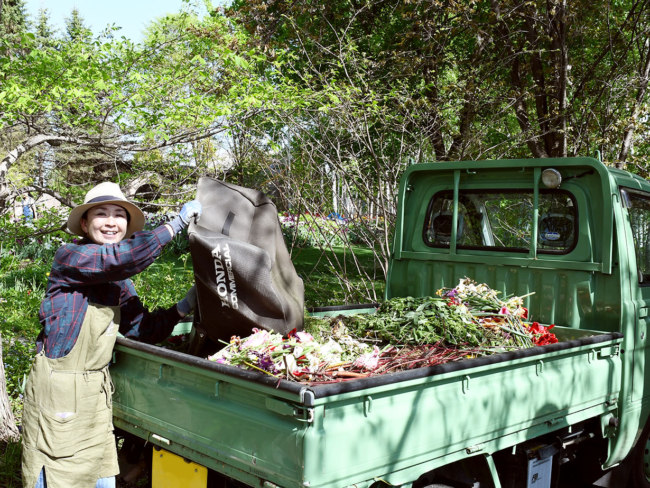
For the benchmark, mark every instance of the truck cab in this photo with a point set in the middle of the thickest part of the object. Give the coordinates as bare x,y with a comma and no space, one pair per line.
572,231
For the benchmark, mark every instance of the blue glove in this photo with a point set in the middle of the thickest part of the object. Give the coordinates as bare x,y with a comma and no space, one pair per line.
190,211
188,303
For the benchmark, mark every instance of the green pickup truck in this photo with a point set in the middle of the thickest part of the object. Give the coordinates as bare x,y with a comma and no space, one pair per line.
571,234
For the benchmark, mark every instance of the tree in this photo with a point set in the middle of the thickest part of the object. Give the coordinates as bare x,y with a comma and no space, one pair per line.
388,83
75,27
8,429
79,109
505,77
576,71
12,18
43,30
118,99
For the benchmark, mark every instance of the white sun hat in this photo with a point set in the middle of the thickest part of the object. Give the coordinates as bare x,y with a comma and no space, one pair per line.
103,193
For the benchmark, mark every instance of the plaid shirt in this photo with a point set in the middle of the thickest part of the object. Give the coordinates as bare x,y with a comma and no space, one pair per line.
93,273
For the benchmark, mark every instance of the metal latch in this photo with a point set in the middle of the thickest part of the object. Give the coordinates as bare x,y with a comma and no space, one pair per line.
161,439
474,449
465,383
303,414
608,352
367,405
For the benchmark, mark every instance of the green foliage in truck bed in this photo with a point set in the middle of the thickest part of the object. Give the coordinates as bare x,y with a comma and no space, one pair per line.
427,320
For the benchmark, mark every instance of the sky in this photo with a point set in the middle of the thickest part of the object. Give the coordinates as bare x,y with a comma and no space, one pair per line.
131,15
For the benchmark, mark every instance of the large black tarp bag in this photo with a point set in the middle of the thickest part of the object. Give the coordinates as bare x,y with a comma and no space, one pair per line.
243,271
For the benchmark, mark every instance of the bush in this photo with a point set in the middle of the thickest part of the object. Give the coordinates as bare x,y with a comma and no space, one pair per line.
179,245
306,230
365,231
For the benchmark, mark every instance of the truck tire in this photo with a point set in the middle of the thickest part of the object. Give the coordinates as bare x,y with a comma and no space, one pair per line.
640,465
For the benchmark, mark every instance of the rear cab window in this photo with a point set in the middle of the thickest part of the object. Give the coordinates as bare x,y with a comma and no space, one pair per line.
501,220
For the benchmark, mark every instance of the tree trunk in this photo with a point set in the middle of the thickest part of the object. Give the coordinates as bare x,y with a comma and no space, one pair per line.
644,79
8,429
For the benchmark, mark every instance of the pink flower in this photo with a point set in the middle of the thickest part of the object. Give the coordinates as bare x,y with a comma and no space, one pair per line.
368,361
304,336
257,339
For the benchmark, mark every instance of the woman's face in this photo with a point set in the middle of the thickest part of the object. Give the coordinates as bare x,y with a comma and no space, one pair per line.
105,224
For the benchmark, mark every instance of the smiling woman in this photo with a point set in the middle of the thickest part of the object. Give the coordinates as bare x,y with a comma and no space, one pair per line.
103,196
67,417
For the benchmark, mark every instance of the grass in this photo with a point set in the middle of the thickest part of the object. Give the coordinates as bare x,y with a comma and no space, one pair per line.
331,276
10,465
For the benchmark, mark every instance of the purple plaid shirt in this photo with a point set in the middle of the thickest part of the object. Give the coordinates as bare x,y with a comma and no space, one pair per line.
93,273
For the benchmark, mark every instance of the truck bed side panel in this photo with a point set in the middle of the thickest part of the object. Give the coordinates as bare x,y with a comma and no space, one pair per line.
401,428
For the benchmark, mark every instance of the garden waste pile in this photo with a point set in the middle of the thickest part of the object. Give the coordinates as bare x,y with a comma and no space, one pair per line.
467,321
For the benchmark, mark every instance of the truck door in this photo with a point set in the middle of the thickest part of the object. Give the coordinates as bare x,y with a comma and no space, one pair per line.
638,209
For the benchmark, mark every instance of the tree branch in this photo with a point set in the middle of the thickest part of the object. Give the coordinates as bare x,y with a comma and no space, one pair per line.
644,78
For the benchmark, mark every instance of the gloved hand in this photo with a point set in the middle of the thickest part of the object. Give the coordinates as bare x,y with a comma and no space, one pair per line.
188,303
191,210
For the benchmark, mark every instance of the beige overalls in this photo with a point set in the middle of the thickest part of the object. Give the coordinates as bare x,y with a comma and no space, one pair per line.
67,416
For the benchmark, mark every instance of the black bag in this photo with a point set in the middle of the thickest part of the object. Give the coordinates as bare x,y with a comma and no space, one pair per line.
243,271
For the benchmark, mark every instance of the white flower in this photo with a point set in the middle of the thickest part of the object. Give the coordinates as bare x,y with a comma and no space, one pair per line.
257,339
290,364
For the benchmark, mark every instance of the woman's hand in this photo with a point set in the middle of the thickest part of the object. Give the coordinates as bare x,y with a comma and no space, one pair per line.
190,211
188,303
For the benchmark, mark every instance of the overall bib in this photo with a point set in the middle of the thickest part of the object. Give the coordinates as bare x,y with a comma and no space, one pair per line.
67,416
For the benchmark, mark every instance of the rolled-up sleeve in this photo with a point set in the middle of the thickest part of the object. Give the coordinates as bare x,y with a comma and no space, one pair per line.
89,263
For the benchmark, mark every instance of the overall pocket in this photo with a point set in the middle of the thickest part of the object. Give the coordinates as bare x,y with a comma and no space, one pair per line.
70,416
63,437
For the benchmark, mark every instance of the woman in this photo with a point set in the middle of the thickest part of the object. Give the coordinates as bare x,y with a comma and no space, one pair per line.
68,436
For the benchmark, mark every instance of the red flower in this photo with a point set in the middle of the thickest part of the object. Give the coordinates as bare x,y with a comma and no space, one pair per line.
541,334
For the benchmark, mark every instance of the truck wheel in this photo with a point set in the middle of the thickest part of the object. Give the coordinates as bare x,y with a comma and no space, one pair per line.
640,469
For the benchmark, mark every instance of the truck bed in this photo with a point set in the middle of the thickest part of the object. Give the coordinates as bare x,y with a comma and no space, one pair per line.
264,431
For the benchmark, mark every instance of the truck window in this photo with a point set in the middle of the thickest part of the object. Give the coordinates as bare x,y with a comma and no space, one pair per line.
502,220
638,205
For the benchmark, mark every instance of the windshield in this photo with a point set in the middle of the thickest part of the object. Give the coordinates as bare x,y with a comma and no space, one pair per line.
502,220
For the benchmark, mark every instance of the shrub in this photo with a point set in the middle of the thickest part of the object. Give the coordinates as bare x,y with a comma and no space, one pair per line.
307,230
